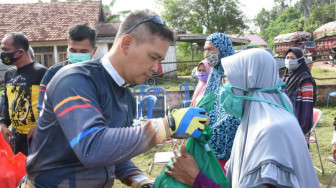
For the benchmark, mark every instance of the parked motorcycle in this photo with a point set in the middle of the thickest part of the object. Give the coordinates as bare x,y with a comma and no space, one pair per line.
332,57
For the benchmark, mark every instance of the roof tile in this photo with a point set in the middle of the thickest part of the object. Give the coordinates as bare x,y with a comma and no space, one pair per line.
47,21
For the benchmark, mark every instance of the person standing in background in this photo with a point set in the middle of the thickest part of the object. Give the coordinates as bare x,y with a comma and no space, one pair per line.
81,47
300,87
21,91
203,70
223,125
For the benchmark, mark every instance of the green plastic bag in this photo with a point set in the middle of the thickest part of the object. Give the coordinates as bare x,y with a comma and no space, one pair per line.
202,152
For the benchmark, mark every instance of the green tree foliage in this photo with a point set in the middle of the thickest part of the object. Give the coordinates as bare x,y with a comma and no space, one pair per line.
305,15
112,17
204,16
186,52
305,6
117,16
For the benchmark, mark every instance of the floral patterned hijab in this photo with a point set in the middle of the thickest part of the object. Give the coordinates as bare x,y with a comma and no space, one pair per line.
223,125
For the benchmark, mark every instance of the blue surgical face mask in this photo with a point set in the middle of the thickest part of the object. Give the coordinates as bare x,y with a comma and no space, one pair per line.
212,59
8,58
203,76
292,64
79,57
234,104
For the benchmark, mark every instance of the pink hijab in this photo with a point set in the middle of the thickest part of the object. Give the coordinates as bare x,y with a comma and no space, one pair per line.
200,88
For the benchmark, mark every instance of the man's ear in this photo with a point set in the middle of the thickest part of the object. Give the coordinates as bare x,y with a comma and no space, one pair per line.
93,52
20,53
125,43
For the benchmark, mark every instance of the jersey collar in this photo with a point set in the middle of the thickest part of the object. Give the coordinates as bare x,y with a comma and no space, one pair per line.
114,74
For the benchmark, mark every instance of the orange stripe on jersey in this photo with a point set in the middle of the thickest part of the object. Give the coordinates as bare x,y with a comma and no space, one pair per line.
72,108
69,99
43,85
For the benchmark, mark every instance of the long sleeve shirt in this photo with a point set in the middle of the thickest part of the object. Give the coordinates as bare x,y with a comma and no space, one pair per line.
202,181
45,81
84,136
304,104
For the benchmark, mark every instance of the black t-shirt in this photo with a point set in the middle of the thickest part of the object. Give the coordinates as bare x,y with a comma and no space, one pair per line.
21,95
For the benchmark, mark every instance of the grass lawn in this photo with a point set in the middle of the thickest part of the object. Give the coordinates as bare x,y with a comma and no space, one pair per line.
323,73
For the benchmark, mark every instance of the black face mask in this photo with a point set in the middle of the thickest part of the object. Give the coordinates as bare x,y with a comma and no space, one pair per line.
8,58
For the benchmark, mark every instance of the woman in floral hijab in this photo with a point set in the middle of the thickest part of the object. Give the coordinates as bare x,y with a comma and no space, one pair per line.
223,125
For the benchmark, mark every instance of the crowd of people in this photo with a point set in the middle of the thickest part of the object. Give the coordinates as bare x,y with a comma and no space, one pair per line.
74,120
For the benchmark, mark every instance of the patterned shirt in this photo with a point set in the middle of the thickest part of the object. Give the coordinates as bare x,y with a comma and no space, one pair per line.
304,104
84,136
21,94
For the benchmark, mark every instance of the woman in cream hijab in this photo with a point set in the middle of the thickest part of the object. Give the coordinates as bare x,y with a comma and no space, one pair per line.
269,148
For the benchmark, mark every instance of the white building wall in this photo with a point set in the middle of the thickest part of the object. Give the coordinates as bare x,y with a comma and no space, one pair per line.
101,51
170,57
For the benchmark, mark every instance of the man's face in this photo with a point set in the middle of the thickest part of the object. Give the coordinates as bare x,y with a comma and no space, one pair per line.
7,47
83,46
209,48
144,59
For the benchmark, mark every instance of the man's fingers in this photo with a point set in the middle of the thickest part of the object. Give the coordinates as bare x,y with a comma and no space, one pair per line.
11,145
7,139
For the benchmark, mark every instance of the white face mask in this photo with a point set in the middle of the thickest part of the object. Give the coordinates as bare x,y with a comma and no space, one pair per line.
212,59
292,64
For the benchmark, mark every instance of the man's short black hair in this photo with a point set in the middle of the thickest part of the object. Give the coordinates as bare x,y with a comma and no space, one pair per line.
145,31
82,32
20,41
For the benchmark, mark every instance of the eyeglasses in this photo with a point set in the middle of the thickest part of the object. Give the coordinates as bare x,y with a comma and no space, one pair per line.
155,19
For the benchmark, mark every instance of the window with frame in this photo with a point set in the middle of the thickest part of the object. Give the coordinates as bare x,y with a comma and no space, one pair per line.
44,55
62,53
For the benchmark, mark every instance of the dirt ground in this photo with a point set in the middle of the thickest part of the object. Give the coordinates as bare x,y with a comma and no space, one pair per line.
322,65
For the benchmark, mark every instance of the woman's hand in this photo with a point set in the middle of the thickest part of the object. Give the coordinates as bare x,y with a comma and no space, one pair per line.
184,169
334,151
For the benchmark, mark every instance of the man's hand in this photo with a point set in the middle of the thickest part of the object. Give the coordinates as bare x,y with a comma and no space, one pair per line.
184,169
187,122
334,151
7,134
31,132
148,183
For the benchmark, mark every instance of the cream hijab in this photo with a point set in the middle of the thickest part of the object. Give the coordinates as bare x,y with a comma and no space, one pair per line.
269,147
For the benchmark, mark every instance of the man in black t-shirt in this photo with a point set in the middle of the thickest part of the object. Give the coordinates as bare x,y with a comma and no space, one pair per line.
21,90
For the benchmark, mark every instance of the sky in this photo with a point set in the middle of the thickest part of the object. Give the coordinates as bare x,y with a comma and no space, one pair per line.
249,7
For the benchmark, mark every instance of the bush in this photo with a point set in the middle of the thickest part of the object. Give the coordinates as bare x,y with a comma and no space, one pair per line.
183,50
